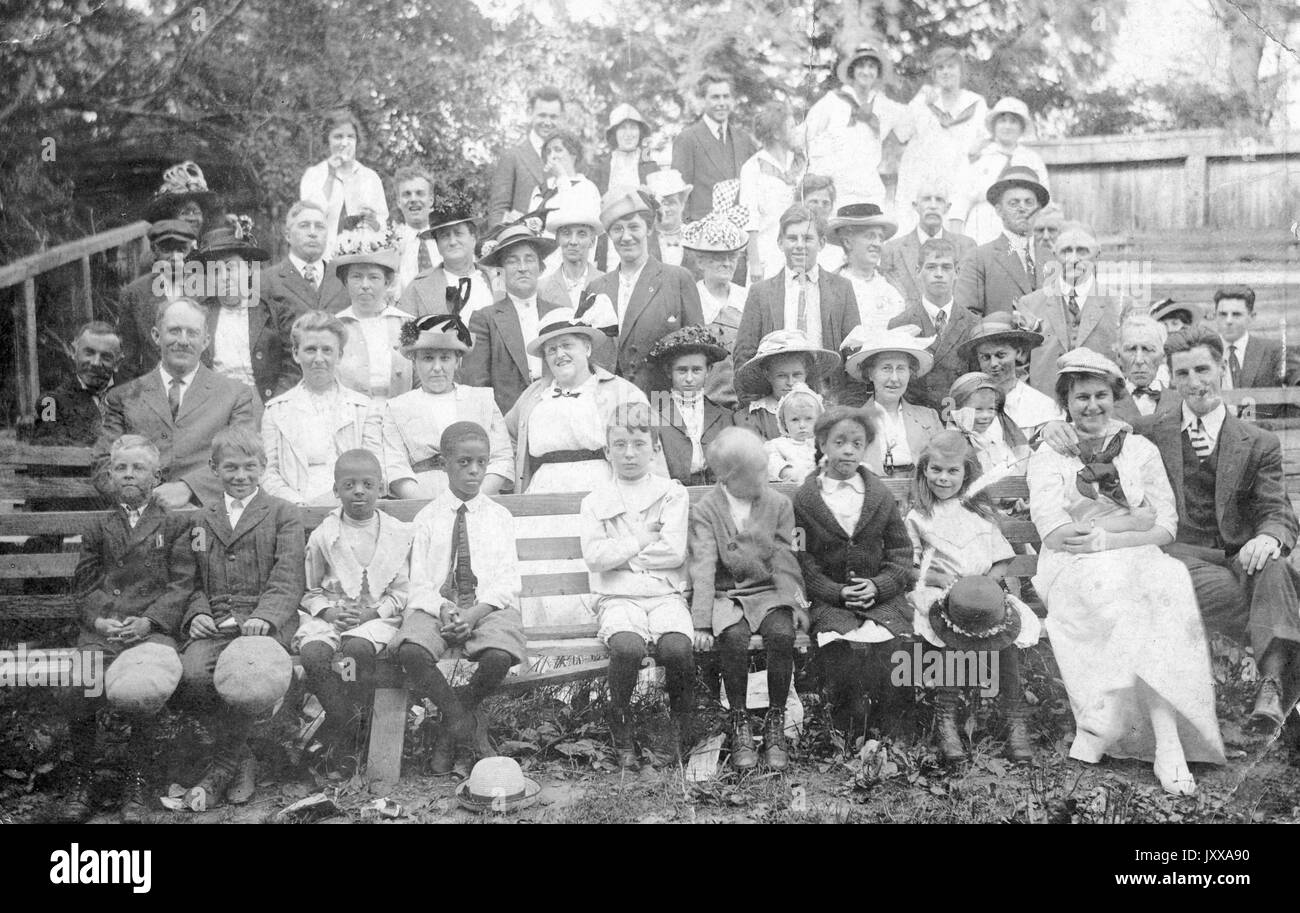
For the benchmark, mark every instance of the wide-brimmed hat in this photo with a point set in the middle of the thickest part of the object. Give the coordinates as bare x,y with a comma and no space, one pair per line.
1168,307
625,112
726,204
622,201
253,673
860,215
686,341
227,240
1086,361
714,234
143,678
1017,176
448,210
1009,105
999,326
667,182
514,236
861,52
181,184
751,378
574,209
561,322
861,344
436,331
497,785
364,245
976,614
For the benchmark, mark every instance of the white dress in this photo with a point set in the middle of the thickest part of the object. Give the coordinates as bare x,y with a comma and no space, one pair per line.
767,189
936,151
969,204
849,152
412,433
1122,616
878,301
567,423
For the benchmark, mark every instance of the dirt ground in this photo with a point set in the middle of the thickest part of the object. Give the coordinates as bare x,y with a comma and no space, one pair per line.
892,775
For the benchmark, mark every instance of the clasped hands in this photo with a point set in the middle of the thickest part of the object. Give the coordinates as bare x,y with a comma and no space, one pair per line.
456,626
132,630
860,595
204,626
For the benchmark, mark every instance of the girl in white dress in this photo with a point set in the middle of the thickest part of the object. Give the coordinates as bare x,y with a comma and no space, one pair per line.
1122,615
342,185
767,187
972,214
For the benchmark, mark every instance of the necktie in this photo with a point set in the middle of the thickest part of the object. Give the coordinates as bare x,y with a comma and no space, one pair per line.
1234,366
1029,265
174,396
133,517
940,321
462,573
1200,440
236,511
801,322
309,273
423,261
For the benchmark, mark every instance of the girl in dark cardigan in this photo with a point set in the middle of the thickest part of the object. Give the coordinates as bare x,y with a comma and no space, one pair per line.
856,563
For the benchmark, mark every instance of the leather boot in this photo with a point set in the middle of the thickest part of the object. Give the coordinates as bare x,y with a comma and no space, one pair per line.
1267,715
1019,747
244,783
213,783
775,754
445,744
946,703
620,731
77,807
743,755
135,802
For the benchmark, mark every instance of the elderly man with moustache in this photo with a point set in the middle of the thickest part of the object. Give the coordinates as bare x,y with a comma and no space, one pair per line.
1070,312
1140,355
301,281
179,406
70,415
520,169
995,274
900,261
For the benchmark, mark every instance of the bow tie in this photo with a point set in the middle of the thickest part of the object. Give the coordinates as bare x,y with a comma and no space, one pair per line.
860,113
1146,391
557,393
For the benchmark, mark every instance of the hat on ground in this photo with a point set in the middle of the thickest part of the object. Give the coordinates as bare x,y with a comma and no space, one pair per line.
998,326
451,209
514,236
621,202
976,615
1017,176
687,341
561,322
1168,307
621,114
714,234
143,678
1086,361
667,182
861,52
860,345
1009,105
497,785
574,210
226,241
253,673
181,184
860,215
751,377
171,230
436,331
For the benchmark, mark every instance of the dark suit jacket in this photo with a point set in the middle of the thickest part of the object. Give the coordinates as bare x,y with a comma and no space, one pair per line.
991,277
498,359
1250,496
516,176
765,312
136,315
932,389
900,260
1263,365
67,416
269,344
1098,330
676,443
125,572
284,285
600,172
703,161
427,293
665,299
140,407
257,570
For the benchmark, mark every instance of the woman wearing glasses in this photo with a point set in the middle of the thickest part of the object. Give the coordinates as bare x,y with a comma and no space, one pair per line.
886,364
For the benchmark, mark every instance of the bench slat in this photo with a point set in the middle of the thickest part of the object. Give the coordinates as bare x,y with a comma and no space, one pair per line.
22,567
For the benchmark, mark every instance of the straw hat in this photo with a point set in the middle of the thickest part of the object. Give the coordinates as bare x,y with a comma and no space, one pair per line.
860,345
449,210
860,215
497,785
367,246
436,331
714,234
861,52
574,211
976,615
685,341
667,182
1009,105
621,114
751,377
181,184
513,236
1168,307
1017,176
562,322
621,202
999,326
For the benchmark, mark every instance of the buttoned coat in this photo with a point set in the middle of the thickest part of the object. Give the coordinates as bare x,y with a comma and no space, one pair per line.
1045,311
518,172
290,420
703,161
498,358
992,278
283,284
426,294
900,260
931,389
677,443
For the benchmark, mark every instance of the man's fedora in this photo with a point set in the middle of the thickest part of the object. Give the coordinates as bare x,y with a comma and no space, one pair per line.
1017,176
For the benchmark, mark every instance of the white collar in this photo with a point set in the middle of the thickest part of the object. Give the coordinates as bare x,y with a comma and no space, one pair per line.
1240,345
299,264
451,503
167,378
521,303
766,402
388,311
713,125
1212,420
923,237
933,309
737,506
1081,291
830,485
246,501
814,275
1017,242
535,141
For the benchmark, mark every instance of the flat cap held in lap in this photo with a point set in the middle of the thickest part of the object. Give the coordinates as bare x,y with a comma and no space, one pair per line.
253,673
143,678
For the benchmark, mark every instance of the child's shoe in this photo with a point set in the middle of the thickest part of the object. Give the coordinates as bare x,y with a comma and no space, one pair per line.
244,783
77,807
950,746
743,755
135,802
443,758
213,783
775,754
1018,744
620,731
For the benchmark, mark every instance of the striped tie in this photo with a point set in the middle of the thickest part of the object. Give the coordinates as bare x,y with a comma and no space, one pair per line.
1201,442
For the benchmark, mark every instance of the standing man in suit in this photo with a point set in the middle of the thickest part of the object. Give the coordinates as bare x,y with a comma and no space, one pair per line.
416,249
1009,267
250,335
301,281
900,261
648,299
179,406
712,149
937,314
520,171
1070,311
1252,360
1140,355
801,297
499,357
450,227
137,312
